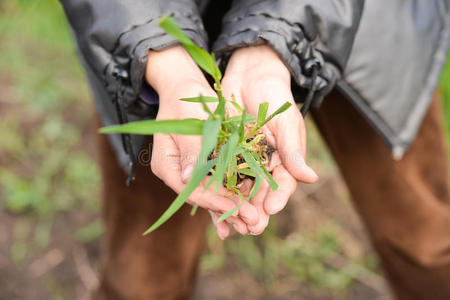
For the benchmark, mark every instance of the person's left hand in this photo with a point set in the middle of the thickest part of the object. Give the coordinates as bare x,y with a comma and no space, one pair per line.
255,75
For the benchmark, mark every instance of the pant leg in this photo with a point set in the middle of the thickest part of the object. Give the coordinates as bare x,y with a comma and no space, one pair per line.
405,204
161,265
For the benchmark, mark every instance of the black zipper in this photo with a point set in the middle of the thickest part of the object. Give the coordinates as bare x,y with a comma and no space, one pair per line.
123,78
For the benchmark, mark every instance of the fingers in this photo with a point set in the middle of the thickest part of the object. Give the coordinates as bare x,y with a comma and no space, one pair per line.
247,211
258,202
238,225
222,228
287,130
189,148
276,200
291,147
166,165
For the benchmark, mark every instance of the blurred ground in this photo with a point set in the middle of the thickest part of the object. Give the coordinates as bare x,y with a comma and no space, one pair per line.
49,191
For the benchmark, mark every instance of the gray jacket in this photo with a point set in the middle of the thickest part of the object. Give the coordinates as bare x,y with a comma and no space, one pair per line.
384,55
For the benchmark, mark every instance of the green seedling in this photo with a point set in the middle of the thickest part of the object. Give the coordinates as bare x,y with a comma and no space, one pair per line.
234,148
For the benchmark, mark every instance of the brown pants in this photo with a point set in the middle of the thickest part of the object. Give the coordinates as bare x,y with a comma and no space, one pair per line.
405,206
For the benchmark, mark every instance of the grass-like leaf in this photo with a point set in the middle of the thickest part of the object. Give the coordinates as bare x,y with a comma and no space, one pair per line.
205,107
248,172
205,60
236,105
211,99
231,211
220,110
199,173
198,99
210,135
253,164
232,173
258,159
262,112
223,161
255,188
170,26
242,126
147,127
280,110
237,119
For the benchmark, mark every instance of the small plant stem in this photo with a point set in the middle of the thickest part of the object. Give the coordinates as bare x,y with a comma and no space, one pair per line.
218,89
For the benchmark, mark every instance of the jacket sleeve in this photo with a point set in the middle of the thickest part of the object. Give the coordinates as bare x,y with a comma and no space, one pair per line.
300,31
114,37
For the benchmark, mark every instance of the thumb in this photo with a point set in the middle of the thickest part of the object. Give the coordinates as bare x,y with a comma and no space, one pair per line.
189,147
291,145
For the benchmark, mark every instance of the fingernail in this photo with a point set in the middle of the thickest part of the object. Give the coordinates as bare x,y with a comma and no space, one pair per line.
186,173
251,218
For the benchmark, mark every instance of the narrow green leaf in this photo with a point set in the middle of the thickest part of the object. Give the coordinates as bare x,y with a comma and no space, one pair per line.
210,135
194,209
236,105
253,164
264,168
217,74
231,125
205,60
280,110
262,112
170,26
210,99
247,172
242,127
238,151
231,211
220,110
232,172
256,187
205,107
147,127
248,119
199,173
207,99
223,161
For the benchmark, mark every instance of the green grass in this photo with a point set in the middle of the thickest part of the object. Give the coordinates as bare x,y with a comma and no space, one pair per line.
44,168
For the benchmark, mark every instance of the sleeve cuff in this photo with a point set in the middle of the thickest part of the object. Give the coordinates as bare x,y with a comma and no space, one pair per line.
285,38
129,58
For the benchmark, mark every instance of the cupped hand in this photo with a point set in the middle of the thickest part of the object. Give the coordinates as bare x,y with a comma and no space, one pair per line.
174,75
255,75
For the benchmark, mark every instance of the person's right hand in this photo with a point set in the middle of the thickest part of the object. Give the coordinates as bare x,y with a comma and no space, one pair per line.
174,75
